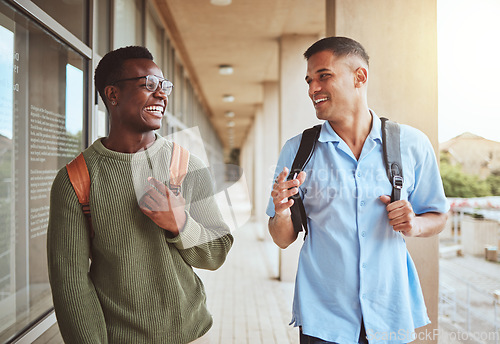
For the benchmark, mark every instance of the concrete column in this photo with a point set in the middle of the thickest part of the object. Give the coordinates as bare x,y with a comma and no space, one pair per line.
270,132
401,39
259,198
296,114
247,158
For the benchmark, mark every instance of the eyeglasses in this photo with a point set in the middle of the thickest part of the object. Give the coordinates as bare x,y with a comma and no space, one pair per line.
152,83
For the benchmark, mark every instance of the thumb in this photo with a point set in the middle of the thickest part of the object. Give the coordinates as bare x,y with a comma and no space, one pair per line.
385,199
301,177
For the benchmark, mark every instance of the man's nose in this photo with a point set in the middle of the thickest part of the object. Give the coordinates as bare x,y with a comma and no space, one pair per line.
314,87
160,93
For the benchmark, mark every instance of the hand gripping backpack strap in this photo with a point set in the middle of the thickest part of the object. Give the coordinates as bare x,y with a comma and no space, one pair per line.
80,179
306,149
178,168
392,156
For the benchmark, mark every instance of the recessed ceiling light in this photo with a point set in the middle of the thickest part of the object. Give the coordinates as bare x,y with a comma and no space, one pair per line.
226,70
228,98
229,114
220,2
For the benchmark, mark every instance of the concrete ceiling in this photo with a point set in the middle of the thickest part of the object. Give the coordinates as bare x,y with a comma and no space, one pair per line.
245,35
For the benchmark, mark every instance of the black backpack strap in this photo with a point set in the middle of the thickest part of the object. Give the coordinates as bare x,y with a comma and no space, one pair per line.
307,144
392,156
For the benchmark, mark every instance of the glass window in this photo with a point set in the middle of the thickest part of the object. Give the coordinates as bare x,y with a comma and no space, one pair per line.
154,39
178,96
42,106
72,14
101,30
128,23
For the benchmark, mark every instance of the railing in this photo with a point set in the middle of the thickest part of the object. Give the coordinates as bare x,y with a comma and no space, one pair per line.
471,311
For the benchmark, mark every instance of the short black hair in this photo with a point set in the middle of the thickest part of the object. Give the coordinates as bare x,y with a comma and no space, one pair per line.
340,46
110,67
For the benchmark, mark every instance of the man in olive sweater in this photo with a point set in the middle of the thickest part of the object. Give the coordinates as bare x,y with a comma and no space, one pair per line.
140,286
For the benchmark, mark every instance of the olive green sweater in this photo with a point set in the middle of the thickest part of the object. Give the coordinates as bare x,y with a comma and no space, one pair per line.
140,287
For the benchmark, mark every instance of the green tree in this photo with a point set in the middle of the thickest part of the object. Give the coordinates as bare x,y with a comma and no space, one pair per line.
493,181
456,183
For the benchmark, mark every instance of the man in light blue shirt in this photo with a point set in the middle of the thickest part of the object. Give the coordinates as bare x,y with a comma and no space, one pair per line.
356,282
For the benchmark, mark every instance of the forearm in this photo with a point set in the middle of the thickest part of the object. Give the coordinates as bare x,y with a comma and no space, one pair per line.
204,245
78,310
429,224
79,314
281,230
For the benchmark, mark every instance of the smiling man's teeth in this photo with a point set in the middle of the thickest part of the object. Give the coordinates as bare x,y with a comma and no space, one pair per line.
154,108
316,101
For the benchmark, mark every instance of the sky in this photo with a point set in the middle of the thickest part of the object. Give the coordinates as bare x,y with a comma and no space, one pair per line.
469,68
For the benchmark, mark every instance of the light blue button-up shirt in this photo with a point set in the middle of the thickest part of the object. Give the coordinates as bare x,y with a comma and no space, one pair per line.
352,263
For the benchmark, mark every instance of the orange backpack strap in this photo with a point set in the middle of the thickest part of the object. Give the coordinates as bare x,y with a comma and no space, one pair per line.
79,177
178,167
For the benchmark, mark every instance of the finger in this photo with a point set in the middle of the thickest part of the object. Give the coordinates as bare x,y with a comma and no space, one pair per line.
403,228
401,209
146,211
401,204
281,207
282,176
385,199
285,185
285,194
301,177
154,194
143,204
155,183
150,203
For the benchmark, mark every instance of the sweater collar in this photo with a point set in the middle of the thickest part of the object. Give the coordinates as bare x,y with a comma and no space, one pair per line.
142,154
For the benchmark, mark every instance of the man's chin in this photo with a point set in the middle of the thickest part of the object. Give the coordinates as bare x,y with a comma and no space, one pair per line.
320,116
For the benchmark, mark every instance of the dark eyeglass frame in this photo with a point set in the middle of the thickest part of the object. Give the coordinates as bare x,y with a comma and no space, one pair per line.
166,85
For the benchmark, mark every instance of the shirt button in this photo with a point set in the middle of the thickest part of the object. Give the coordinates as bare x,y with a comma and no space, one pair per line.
358,174
363,234
362,203
364,266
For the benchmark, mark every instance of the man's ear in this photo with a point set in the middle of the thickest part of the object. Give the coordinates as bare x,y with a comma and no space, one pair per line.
111,93
361,76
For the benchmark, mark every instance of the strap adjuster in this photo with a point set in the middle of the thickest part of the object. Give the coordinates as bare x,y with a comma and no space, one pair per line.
397,182
176,189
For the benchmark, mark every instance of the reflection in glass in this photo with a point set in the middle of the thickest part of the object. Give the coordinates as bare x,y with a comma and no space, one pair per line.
72,14
41,129
7,259
74,100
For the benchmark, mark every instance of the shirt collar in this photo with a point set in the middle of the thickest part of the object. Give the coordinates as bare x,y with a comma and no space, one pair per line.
329,135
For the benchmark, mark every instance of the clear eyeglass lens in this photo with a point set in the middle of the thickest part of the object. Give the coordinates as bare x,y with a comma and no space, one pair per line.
166,86
153,81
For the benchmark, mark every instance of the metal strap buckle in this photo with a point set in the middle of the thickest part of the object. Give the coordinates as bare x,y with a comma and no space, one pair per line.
397,182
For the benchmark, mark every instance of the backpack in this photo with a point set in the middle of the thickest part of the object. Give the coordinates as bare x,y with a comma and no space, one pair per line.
392,162
78,174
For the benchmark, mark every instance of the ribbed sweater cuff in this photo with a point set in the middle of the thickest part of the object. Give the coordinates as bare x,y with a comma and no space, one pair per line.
189,236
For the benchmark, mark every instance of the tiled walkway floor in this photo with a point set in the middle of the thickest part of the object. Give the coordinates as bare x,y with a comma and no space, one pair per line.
247,302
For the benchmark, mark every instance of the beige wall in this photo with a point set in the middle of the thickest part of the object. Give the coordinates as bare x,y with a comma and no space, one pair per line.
401,39
296,110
